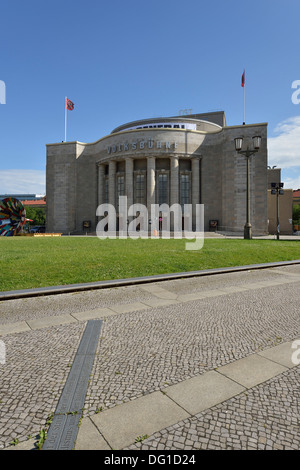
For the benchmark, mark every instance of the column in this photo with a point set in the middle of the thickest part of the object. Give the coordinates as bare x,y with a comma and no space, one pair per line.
101,188
126,219
174,181
195,186
129,180
151,192
174,193
112,183
150,182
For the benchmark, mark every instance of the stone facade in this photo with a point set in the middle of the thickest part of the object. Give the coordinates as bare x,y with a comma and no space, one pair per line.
182,159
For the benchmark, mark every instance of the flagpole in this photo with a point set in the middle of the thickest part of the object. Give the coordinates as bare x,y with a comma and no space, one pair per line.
244,104
65,119
243,85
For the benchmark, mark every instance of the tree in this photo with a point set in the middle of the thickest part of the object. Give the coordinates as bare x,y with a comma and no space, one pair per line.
37,214
296,214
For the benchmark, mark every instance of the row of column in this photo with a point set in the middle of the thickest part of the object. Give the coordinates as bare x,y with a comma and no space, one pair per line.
129,171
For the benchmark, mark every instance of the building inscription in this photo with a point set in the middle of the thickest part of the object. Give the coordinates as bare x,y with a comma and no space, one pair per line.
144,144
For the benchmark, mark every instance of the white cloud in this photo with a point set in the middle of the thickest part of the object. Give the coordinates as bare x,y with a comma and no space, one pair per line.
291,181
22,182
284,148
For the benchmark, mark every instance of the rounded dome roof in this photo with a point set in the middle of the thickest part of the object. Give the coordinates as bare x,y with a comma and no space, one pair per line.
178,122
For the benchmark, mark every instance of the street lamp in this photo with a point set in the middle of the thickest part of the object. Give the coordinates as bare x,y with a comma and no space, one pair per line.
248,153
277,189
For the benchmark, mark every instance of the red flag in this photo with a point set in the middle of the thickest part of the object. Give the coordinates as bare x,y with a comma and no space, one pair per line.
243,79
69,104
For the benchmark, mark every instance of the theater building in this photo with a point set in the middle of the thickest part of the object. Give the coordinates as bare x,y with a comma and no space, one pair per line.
182,160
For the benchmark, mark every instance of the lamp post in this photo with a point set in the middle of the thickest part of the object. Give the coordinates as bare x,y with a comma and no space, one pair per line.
248,153
277,189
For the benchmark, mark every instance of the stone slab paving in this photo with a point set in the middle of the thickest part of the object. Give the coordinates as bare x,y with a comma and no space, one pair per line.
203,391
122,424
162,343
266,417
281,354
251,370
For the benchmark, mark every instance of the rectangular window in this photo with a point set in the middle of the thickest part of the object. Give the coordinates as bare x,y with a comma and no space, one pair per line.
121,185
106,190
140,189
163,189
184,189
120,188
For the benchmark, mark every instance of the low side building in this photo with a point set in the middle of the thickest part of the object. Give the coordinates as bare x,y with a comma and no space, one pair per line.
285,208
285,205
296,197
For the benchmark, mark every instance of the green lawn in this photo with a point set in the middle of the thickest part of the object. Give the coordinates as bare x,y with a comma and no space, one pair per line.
28,262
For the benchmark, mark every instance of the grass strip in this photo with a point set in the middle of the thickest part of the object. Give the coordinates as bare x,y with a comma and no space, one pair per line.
29,262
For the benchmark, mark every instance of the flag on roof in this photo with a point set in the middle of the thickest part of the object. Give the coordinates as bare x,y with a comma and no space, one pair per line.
69,104
243,79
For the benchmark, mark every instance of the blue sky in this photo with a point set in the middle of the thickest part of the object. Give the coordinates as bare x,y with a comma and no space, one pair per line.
120,61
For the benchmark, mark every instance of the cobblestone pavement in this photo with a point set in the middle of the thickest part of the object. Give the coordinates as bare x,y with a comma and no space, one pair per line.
152,348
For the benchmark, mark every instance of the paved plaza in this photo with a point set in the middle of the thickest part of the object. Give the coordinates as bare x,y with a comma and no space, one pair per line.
205,362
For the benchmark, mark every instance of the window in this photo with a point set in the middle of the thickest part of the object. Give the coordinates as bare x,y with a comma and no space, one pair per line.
140,189
106,190
120,188
184,189
163,188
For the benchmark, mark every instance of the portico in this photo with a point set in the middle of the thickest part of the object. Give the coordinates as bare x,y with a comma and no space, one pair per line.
151,180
